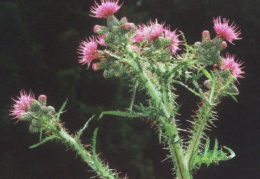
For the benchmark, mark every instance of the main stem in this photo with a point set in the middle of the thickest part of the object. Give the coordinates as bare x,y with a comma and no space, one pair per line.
181,165
177,153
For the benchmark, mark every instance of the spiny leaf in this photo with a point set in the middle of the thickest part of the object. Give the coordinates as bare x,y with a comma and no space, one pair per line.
207,74
186,86
61,109
212,156
42,142
84,127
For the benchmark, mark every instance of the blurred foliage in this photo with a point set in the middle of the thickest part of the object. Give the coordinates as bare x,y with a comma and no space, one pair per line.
38,51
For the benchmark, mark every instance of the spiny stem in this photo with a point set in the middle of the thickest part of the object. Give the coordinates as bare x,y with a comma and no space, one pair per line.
101,170
196,139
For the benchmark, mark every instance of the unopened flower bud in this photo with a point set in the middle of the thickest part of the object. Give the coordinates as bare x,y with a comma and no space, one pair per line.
35,106
33,129
96,66
224,45
205,35
27,116
51,109
98,29
129,26
215,66
123,20
42,99
36,123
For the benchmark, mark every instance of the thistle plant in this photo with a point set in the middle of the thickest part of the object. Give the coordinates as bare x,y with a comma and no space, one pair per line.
158,60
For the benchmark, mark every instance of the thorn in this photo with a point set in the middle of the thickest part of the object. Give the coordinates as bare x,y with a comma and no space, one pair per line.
164,160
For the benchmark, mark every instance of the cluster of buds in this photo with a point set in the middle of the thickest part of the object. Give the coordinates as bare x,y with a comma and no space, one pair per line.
27,108
208,52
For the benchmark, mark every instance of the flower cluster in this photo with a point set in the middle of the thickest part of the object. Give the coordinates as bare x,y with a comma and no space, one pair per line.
27,108
118,33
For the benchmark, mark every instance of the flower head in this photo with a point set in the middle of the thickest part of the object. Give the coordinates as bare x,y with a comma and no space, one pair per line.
174,37
153,31
139,36
229,63
105,9
22,104
225,31
88,50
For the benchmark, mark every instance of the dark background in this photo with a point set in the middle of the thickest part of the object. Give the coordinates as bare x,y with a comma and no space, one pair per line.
38,51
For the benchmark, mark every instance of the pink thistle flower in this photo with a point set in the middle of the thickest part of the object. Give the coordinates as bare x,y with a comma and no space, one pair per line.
22,104
229,63
88,50
105,9
225,31
174,37
153,31
139,36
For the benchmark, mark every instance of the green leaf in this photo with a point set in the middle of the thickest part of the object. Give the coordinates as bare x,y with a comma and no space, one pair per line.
42,142
94,155
61,109
212,156
142,107
206,146
120,113
77,136
215,150
232,153
187,87
234,98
